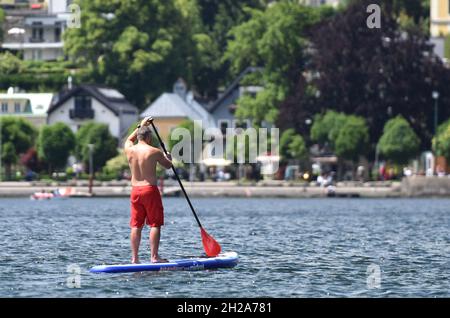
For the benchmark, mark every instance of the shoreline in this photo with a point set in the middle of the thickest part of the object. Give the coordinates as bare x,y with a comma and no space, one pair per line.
408,188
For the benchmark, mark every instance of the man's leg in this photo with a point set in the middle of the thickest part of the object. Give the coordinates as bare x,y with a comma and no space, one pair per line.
135,241
155,235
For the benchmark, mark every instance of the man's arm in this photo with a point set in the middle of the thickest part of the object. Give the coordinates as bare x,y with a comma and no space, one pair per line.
165,161
131,140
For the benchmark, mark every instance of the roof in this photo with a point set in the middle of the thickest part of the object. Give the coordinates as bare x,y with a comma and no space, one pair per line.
40,102
233,86
109,97
170,105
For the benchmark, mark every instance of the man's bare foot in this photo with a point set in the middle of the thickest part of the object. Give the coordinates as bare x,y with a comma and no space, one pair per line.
135,262
159,260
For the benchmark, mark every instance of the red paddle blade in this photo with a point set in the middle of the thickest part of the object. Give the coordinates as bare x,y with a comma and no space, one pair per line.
212,248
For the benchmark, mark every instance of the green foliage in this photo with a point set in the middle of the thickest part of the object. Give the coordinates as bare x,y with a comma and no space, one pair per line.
399,143
116,165
54,145
33,75
447,47
292,145
441,142
276,39
10,64
347,136
326,127
352,140
372,73
105,145
124,44
18,135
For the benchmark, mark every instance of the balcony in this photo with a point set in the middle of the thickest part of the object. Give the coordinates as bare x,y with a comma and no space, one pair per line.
36,40
77,113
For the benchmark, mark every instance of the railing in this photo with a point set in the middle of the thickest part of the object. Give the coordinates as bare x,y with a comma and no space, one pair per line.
81,113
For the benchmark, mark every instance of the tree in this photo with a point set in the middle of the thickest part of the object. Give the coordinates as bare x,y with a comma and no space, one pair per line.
218,18
399,143
441,142
124,44
10,64
105,145
276,40
352,139
292,145
17,136
373,73
54,145
325,128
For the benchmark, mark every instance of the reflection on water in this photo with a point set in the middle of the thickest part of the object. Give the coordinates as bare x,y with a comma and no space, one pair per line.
287,248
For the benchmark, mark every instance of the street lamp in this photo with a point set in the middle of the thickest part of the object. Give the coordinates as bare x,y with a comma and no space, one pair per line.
435,96
91,166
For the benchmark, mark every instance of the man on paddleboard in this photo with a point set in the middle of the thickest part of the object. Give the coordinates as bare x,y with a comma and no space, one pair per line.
145,198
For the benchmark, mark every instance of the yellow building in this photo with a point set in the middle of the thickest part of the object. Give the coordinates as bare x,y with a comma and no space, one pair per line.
440,18
171,109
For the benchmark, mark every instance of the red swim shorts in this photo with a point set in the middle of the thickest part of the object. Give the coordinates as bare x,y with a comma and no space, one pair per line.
146,204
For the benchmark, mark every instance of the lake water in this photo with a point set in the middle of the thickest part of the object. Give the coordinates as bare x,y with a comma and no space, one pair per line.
287,248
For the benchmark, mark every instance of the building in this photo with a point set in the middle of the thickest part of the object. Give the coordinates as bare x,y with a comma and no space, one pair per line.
440,27
224,107
100,104
31,106
171,109
35,28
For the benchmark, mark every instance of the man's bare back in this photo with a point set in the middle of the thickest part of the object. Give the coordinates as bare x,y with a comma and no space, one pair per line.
143,159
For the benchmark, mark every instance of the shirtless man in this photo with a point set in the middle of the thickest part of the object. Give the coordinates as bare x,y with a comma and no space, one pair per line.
145,198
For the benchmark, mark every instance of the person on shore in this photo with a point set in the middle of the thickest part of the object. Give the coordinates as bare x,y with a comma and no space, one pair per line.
146,203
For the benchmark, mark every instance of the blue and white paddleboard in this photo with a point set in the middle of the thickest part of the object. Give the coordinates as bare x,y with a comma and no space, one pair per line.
225,260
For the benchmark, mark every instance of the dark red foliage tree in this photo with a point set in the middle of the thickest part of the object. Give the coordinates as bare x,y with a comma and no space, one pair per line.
374,73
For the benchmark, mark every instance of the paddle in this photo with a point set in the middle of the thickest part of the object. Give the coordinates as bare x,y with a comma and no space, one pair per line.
210,245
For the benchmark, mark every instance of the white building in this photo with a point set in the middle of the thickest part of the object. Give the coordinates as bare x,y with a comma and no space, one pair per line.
30,106
86,103
37,30
440,26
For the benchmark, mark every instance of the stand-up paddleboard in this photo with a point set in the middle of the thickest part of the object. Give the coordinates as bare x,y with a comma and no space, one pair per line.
225,260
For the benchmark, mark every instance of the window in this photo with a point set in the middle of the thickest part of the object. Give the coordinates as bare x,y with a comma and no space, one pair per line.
83,108
17,107
58,32
4,107
83,103
37,32
37,55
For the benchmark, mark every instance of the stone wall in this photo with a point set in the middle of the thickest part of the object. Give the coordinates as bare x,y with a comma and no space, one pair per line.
418,186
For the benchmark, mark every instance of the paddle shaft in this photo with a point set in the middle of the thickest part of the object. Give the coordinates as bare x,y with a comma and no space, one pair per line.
176,176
